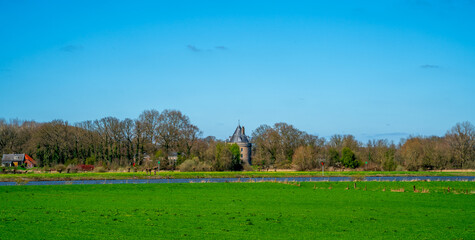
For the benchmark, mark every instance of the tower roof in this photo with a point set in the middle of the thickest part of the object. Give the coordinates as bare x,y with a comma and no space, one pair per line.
239,136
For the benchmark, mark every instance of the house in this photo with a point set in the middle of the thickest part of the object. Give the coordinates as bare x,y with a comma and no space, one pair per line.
239,137
147,158
173,158
15,160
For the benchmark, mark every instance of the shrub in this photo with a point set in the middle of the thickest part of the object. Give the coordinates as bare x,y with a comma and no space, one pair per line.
470,165
91,160
194,165
60,168
247,167
348,158
74,161
114,165
187,166
72,168
333,156
389,164
222,157
304,158
400,168
100,169
84,167
287,164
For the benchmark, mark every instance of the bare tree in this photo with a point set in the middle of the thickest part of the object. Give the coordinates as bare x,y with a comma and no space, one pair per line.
128,131
189,137
174,132
462,140
150,120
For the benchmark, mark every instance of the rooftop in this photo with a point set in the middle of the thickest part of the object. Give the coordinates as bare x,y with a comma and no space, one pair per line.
13,157
239,136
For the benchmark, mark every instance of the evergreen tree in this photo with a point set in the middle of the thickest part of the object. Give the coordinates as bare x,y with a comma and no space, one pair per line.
348,158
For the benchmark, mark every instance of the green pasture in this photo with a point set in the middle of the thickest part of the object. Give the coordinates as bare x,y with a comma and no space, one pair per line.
244,174
262,210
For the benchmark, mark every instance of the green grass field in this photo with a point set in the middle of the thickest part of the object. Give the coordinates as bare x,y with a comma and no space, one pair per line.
321,210
128,175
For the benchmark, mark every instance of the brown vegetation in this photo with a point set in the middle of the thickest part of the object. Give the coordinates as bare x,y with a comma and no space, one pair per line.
113,144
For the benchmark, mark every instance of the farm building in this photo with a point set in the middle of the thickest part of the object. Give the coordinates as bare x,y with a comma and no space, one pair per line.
15,160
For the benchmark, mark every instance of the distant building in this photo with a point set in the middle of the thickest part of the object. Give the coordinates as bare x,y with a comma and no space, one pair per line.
15,160
173,158
146,158
239,137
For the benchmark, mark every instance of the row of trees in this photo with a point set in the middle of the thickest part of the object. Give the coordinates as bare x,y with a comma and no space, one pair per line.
154,136
285,146
106,141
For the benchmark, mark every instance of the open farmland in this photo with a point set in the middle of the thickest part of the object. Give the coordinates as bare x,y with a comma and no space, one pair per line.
240,211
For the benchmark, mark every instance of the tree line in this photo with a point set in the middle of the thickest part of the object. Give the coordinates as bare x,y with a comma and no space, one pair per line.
284,146
156,136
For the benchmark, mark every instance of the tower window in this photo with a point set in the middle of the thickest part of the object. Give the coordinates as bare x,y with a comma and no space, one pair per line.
241,149
241,155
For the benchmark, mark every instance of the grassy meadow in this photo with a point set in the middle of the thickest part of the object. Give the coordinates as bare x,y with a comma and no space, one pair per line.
243,174
323,210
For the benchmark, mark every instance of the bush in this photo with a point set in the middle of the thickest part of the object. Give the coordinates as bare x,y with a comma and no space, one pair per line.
348,158
194,165
74,161
470,165
187,166
400,168
247,167
304,158
90,160
100,169
60,168
287,164
389,165
114,165
333,157
72,169
83,167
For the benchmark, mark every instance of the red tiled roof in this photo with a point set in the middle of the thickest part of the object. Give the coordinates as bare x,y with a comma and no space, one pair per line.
30,159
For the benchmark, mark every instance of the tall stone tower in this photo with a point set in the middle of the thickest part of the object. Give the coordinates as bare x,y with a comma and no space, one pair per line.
239,137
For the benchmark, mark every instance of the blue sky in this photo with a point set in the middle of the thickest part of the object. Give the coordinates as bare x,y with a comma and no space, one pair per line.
374,69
